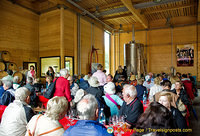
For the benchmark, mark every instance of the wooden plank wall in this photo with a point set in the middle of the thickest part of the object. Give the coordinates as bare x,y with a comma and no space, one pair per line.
50,38
87,30
19,33
161,48
49,34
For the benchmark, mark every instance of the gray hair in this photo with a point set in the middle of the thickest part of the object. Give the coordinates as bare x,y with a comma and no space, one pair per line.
130,90
30,80
22,93
87,107
63,72
15,79
56,106
8,83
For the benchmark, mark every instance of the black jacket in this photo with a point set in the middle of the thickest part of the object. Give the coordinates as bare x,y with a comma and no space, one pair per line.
132,111
98,93
183,95
33,94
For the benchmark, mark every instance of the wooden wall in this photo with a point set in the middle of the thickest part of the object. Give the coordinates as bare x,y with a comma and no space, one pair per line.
161,48
49,34
50,38
87,40
19,33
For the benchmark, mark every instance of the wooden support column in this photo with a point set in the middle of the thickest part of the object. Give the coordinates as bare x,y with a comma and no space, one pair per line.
75,45
62,45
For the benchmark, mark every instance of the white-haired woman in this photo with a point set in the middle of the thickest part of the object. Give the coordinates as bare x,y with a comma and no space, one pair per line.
48,123
62,87
17,114
112,100
16,81
9,95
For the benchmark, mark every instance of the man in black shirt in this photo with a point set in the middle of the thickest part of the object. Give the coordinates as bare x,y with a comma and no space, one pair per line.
132,108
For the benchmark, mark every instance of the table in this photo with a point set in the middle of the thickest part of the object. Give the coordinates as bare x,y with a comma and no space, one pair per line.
145,105
66,123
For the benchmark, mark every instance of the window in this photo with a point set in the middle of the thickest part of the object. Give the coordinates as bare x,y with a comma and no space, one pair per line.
54,62
107,51
69,64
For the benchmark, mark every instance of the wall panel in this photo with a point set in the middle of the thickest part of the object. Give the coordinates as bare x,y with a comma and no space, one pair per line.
19,33
49,34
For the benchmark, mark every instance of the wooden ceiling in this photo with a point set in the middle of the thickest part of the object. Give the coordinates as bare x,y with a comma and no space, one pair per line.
127,12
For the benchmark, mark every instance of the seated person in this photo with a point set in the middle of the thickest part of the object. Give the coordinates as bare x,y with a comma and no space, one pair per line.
120,83
37,84
112,100
16,82
84,84
155,88
178,119
156,116
140,89
133,80
98,93
17,114
48,123
132,108
1,88
9,94
9,76
88,113
29,85
181,93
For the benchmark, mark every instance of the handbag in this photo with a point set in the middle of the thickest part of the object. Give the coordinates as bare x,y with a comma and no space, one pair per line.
50,91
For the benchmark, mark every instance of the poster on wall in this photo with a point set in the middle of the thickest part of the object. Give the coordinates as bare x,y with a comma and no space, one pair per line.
185,55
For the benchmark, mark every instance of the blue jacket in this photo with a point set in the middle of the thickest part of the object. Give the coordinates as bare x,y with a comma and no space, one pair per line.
1,91
87,128
140,91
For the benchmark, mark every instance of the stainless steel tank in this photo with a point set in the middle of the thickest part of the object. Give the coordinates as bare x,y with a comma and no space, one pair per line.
130,57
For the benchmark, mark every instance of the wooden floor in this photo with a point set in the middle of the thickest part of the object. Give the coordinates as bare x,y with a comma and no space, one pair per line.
194,124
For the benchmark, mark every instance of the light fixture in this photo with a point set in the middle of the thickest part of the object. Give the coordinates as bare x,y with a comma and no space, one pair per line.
157,1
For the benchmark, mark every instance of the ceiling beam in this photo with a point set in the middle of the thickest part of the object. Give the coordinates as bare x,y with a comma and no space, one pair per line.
198,17
111,5
140,18
116,16
152,4
168,9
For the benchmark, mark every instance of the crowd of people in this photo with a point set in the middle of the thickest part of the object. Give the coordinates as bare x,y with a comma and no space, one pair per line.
170,102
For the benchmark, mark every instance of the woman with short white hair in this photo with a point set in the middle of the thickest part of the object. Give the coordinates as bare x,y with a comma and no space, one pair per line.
17,114
16,81
49,122
113,101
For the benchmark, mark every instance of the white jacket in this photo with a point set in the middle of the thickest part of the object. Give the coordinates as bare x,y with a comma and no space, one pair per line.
14,120
153,90
44,124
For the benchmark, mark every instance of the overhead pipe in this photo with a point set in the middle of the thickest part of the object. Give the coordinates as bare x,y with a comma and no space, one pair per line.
90,14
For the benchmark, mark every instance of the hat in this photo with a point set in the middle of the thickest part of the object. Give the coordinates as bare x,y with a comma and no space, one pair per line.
133,77
147,78
93,81
79,95
109,88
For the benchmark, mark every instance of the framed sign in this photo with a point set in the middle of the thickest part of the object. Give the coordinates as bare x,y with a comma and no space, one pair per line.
45,62
185,55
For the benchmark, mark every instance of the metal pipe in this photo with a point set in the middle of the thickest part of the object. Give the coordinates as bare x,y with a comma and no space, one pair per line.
114,51
90,14
133,33
79,43
172,46
119,46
